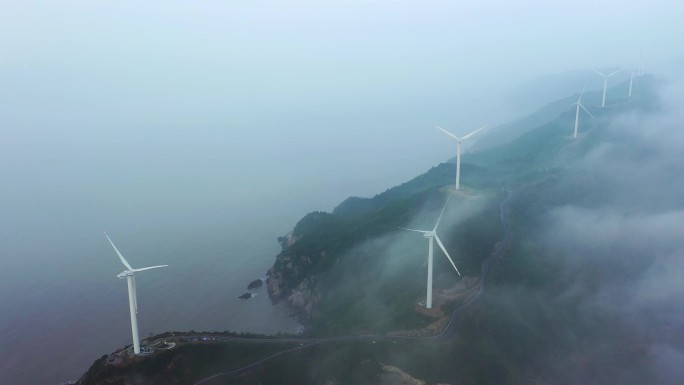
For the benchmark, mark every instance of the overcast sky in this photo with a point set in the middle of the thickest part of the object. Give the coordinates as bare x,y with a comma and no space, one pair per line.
106,72
171,103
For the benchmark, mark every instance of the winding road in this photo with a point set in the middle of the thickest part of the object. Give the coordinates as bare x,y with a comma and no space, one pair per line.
306,343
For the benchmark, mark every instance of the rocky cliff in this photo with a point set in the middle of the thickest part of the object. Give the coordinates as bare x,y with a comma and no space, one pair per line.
319,239
290,279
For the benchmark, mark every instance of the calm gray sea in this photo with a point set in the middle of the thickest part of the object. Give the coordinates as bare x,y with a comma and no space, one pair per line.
64,307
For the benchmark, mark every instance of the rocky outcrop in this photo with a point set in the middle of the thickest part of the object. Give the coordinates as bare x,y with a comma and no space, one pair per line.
257,283
291,278
305,299
302,298
288,240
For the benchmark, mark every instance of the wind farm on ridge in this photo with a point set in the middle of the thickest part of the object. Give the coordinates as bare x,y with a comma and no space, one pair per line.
431,235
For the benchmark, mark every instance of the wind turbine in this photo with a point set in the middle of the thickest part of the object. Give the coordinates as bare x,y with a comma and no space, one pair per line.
458,151
605,84
129,274
578,103
431,235
631,80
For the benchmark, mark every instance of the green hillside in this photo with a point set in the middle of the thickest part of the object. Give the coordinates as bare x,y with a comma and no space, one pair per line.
541,320
329,304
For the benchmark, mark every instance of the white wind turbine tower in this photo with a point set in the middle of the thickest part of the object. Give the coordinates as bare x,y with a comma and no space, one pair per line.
129,274
631,80
458,151
578,103
431,235
605,84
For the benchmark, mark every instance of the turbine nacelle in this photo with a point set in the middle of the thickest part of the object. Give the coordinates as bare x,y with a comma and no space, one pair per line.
125,274
458,151
461,139
131,272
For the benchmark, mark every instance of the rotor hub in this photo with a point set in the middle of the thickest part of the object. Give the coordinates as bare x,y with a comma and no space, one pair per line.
124,274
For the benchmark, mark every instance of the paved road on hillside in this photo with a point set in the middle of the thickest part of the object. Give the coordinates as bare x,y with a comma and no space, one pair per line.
305,343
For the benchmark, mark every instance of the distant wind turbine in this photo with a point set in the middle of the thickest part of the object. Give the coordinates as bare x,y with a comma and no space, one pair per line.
458,151
431,235
631,80
132,295
578,103
605,84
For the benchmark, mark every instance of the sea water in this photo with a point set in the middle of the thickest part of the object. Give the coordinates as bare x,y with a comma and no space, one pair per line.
63,306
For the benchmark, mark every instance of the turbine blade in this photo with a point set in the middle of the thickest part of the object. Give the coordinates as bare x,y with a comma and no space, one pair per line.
581,93
418,231
123,260
592,116
613,73
442,213
600,73
441,246
147,268
472,133
448,133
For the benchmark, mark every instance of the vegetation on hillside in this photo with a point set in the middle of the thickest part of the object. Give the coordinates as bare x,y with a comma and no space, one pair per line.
533,326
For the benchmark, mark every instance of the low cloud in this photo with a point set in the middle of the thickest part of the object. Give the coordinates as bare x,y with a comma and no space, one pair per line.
631,230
